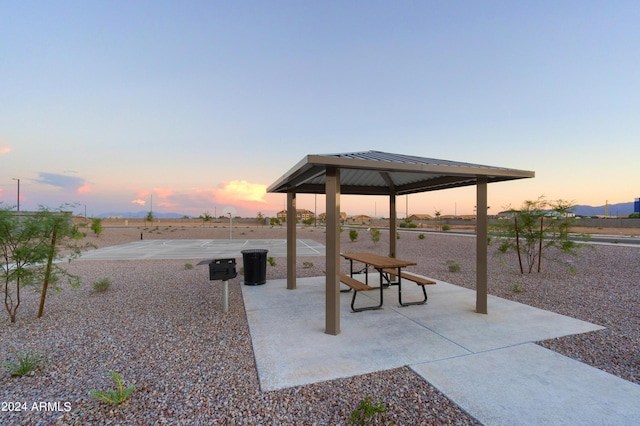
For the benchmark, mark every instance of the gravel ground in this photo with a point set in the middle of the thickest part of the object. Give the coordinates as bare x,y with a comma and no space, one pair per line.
160,326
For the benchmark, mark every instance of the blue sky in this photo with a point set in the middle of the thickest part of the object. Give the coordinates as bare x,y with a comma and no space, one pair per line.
198,106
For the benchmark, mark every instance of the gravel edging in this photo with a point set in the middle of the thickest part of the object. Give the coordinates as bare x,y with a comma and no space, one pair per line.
161,327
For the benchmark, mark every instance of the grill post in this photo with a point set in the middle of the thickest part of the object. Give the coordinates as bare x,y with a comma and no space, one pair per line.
222,270
225,296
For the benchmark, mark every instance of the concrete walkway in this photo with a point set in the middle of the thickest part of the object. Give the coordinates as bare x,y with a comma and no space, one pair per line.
485,363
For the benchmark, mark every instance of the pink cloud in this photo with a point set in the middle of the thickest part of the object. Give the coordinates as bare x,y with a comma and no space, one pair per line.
164,192
4,149
241,191
139,202
84,189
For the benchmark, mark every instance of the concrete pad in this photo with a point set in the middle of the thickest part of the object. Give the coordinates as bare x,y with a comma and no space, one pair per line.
200,249
530,385
291,348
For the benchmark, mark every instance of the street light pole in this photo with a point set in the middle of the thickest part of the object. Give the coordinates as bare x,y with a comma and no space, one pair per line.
18,192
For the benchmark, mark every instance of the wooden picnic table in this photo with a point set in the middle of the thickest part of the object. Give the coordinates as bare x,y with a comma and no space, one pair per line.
380,263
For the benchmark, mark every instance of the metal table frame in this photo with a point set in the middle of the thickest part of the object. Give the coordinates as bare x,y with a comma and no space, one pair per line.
380,262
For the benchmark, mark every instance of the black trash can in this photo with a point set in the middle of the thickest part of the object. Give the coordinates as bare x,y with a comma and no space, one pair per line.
255,266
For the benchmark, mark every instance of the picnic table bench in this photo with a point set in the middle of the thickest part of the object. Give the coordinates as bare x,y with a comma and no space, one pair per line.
386,266
357,286
419,280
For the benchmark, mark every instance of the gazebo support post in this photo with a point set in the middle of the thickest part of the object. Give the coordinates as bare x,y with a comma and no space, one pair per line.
332,290
481,245
292,218
393,223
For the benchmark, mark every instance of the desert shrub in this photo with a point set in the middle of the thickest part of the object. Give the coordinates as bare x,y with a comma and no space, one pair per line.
307,265
421,236
375,235
25,364
101,285
271,261
188,266
365,411
353,235
114,396
446,227
536,227
96,226
453,266
31,243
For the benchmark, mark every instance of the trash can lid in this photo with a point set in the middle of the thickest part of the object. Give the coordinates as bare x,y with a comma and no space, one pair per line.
254,251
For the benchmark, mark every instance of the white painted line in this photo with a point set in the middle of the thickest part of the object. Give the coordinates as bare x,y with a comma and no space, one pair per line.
311,248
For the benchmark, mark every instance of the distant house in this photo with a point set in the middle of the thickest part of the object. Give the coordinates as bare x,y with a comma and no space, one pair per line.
360,218
301,214
323,216
418,217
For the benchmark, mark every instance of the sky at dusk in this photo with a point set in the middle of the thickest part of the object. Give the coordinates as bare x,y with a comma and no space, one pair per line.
198,106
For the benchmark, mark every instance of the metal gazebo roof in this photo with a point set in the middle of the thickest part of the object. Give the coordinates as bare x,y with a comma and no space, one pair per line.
379,173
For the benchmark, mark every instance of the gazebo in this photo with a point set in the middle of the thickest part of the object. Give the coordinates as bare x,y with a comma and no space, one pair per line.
381,173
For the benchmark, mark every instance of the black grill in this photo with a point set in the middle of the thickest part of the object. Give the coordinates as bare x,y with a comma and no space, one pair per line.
221,269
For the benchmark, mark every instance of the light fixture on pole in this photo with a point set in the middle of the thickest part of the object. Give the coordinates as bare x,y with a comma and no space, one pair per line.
230,211
18,192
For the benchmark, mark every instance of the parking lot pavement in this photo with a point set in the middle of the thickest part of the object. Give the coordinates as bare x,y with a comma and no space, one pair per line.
199,249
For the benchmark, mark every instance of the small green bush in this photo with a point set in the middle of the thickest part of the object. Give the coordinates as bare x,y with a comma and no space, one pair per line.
271,261
111,396
307,265
446,227
453,266
366,410
421,236
188,266
353,235
517,288
101,285
375,235
26,364
96,226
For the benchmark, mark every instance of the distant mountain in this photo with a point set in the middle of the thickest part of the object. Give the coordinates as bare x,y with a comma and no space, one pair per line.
142,215
620,209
